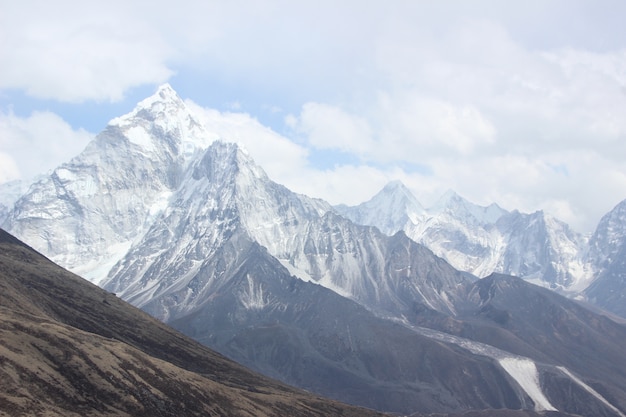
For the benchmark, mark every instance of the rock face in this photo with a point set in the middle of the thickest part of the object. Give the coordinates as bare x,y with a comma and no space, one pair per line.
187,227
607,252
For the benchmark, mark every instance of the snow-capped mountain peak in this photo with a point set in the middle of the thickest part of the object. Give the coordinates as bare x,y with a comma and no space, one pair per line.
452,203
389,210
483,239
609,235
164,114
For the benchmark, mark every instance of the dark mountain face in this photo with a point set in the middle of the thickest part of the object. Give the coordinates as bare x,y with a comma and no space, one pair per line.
607,250
509,313
309,336
69,348
609,289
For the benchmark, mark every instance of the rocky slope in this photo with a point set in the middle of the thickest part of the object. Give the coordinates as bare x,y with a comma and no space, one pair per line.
69,348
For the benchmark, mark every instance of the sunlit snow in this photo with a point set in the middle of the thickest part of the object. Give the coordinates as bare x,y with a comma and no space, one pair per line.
524,371
590,390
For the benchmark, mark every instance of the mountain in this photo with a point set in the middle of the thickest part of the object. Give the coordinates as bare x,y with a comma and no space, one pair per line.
155,194
190,229
10,192
482,240
69,348
390,210
607,251
96,214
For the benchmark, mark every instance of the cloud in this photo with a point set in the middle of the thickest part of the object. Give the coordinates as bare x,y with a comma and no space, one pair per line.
329,127
280,157
74,51
9,170
288,163
518,104
36,144
567,184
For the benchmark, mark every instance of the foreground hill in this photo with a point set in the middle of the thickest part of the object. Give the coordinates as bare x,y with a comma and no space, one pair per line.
69,348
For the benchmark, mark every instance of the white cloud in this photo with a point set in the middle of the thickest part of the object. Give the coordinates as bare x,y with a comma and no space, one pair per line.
74,51
419,126
36,144
518,104
329,127
277,155
9,170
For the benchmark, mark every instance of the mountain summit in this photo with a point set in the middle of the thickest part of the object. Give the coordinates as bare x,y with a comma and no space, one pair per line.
87,213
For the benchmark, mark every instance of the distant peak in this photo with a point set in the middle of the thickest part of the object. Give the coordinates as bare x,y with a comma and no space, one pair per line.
165,88
395,186
451,195
453,203
164,94
449,199
397,194
162,104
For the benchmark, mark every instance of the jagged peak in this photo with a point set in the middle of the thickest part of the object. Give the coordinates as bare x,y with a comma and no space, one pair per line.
610,229
395,186
448,200
619,209
164,103
396,193
164,112
455,204
164,94
222,157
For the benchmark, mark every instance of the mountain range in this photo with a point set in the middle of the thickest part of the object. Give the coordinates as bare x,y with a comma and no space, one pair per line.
483,240
192,231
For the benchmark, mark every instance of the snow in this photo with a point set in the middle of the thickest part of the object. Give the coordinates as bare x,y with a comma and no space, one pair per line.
11,191
297,272
590,390
97,270
139,136
482,239
328,282
524,371
161,202
252,298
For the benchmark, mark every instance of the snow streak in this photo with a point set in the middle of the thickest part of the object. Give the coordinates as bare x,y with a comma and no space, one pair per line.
589,390
524,371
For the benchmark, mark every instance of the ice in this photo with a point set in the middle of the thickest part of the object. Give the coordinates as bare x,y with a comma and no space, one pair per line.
524,371
140,137
590,390
252,298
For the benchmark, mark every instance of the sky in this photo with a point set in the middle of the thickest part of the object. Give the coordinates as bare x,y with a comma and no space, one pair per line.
522,104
